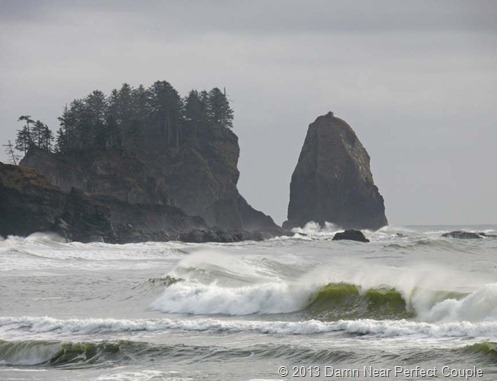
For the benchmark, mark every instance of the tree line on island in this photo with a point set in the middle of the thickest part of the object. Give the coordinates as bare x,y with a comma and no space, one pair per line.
126,118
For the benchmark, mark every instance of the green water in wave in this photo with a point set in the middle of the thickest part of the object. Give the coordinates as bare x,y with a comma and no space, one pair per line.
54,353
348,301
486,348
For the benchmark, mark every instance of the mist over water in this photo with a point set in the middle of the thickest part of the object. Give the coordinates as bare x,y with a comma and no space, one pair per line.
164,311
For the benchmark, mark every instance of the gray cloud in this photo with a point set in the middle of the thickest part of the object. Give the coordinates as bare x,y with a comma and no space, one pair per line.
417,81
260,16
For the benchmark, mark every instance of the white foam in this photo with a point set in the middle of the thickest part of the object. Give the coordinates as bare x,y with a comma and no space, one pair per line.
386,328
480,305
196,298
143,375
316,231
45,251
428,290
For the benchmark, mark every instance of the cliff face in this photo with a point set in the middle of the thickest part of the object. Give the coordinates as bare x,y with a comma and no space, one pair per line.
332,181
29,204
199,177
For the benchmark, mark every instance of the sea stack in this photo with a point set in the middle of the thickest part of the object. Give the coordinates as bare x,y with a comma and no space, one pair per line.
332,181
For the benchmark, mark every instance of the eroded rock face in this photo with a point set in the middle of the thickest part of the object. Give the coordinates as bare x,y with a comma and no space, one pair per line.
30,204
199,178
332,181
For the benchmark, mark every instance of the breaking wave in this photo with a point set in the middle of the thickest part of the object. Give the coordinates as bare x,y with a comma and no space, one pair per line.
486,348
382,328
74,355
331,302
56,353
346,301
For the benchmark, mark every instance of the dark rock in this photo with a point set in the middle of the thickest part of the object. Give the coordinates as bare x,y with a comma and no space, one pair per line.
199,177
352,235
29,204
332,181
146,222
199,236
256,221
460,234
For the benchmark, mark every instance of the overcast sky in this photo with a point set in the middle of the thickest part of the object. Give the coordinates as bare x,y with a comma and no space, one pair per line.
416,80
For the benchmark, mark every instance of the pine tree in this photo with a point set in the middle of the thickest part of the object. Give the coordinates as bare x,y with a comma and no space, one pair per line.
66,135
24,139
141,105
94,120
128,117
195,112
166,111
61,142
47,139
113,135
220,112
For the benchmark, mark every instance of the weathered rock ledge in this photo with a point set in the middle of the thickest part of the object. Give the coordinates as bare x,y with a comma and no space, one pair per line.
29,204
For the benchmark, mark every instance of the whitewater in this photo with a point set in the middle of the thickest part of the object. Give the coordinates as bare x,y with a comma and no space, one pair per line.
408,302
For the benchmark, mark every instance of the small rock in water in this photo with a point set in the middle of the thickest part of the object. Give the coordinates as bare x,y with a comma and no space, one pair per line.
352,235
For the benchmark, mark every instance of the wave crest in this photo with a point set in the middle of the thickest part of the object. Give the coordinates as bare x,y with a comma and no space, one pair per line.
346,301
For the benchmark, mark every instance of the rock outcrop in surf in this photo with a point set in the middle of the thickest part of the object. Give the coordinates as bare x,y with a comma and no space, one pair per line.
461,234
29,204
151,147
350,235
199,181
332,181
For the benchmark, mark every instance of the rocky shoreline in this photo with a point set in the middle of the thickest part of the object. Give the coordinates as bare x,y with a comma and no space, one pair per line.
30,204
185,191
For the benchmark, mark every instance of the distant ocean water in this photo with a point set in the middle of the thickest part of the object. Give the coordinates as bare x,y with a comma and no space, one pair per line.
406,303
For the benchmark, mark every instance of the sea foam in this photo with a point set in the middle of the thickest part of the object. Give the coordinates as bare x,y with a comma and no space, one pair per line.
25,326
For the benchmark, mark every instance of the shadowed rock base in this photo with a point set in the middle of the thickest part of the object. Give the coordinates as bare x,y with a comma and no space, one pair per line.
30,204
351,235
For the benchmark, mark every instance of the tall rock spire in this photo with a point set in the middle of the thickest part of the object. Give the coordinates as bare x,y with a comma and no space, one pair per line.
332,181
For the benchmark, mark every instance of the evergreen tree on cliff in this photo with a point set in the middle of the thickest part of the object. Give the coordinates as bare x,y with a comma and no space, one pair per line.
76,130
121,119
41,136
95,125
24,138
141,107
149,146
220,112
33,134
166,110
130,119
196,112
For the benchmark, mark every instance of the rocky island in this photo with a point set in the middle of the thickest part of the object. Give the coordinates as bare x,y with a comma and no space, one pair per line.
145,164
332,181
155,165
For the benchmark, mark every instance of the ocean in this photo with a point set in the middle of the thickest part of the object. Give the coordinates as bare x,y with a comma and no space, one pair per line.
409,305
